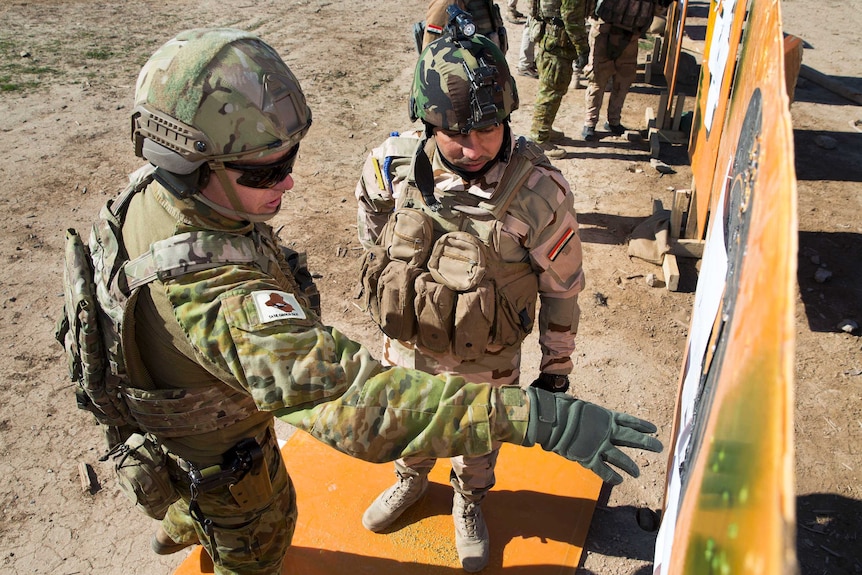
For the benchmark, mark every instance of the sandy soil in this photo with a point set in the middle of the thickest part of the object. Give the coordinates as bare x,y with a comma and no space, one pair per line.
67,71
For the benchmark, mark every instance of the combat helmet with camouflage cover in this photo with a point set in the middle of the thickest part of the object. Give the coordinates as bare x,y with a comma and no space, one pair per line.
212,96
462,83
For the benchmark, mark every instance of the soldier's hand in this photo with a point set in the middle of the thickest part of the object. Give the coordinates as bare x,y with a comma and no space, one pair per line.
551,382
587,433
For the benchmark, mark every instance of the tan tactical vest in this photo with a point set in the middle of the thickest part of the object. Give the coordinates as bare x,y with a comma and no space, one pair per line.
435,278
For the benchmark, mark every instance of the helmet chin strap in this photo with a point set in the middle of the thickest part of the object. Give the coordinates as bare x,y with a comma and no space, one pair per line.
233,197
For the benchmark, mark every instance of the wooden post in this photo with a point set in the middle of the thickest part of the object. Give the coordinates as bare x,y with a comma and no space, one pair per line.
792,62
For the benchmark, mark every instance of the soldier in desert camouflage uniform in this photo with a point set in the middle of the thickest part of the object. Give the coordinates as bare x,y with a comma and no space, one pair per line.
613,58
473,180
484,13
214,352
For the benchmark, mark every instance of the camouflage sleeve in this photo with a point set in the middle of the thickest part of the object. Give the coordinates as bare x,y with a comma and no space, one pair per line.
241,323
555,251
402,412
574,15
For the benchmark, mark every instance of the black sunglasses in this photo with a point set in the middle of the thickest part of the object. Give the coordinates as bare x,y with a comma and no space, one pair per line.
263,176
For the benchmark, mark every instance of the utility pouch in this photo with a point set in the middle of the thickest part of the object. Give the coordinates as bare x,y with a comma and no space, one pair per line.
244,472
536,29
516,309
254,487
458,261
142,473
374,262
408,236
435,307
474,318
395,295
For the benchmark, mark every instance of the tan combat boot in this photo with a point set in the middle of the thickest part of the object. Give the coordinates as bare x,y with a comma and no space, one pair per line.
552,150
390,504
471,534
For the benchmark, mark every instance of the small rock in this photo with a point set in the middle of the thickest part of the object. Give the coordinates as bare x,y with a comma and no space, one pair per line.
24,54
601,299
651,280
661,167
821,275
826,142
848,326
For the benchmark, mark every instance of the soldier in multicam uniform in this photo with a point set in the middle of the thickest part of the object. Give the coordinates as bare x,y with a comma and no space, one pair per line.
219,116
561,46
468,178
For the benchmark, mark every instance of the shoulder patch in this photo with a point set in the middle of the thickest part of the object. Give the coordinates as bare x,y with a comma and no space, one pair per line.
275,305
561,243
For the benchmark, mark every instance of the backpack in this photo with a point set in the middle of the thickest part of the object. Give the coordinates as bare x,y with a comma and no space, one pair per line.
635,15
100,288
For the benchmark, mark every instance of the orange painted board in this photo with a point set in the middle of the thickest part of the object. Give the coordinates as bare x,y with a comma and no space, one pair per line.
676,15
723,34
538,516
736,509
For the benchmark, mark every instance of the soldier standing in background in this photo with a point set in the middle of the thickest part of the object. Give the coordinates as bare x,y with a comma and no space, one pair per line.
615,28
484,13
561,42
527,52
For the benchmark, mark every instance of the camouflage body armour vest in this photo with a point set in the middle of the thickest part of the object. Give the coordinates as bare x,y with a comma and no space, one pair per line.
97,326
436,279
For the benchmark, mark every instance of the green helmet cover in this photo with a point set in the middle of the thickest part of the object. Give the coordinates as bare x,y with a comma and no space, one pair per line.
216,94
462,84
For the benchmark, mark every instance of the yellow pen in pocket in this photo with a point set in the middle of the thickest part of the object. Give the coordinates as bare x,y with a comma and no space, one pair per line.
378,174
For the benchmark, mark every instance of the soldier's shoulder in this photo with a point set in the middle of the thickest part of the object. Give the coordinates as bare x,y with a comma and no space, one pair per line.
535,154
399,144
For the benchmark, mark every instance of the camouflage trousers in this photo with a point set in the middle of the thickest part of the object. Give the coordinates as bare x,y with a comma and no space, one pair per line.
555,58
470,476
242,541
555,75
613,58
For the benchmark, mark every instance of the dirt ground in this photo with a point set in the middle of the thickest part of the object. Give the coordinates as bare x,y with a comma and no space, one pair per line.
67,71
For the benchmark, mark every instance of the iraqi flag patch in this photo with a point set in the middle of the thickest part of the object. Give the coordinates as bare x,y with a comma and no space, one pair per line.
434,29
275,305
561,244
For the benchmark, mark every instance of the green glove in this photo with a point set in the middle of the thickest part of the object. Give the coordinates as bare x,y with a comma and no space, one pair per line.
587,433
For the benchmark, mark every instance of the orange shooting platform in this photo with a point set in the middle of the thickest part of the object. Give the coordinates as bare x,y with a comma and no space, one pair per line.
538,515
